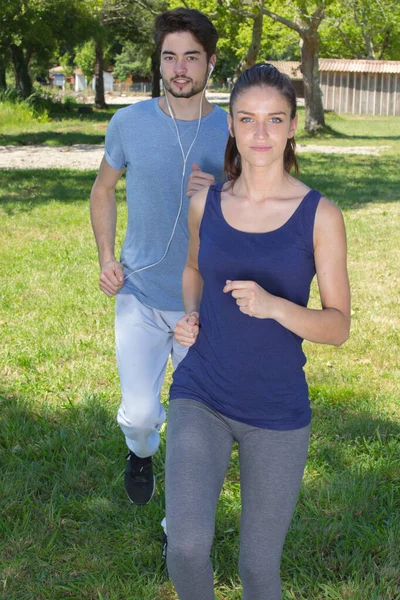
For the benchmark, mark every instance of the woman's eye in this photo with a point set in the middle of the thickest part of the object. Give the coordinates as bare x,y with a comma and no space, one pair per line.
246,120
276,120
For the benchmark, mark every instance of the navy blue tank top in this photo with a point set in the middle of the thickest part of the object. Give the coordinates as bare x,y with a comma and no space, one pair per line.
250,369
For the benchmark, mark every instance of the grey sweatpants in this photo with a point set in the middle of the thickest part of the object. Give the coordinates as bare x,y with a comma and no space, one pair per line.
199,445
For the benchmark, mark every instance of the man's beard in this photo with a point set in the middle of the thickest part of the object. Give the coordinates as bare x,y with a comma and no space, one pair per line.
196,89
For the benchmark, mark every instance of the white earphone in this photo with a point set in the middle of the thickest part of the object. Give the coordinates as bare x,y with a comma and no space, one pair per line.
185,157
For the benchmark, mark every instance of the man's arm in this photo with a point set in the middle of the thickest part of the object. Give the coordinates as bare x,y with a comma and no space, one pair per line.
103,213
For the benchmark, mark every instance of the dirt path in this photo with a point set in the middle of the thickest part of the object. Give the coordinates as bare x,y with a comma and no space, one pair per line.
81,156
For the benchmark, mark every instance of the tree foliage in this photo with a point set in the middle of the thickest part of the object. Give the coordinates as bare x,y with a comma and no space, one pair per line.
35,29
85,58
362,29
133,61
32,32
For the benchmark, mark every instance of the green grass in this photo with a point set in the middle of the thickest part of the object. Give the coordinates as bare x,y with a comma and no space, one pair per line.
67,528
62,128
20,127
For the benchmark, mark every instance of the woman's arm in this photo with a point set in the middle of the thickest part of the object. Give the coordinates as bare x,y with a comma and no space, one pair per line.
187,328
329,325
192,281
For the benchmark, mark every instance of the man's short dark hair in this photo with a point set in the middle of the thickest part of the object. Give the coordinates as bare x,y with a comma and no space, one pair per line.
186,19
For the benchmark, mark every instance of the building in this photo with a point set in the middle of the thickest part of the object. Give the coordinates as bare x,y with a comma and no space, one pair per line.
363,87
78,80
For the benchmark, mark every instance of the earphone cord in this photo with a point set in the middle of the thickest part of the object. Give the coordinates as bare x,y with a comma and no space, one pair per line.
185,157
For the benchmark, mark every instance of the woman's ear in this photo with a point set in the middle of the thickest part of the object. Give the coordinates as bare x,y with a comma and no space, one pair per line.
230,125
293,126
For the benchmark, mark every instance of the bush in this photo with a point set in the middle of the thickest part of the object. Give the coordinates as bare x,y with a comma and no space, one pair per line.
19,114
69,103
10,95
42,101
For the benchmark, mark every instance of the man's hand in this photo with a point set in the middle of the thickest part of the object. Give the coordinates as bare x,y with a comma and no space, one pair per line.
252,299
198,180
187,329
111,277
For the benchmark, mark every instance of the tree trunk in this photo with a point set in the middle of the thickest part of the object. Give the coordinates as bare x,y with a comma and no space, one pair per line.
256,36
155,72
99,100
3,83
315,119
23,80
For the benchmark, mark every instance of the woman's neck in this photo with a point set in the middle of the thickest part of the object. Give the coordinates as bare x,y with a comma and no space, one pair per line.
259,183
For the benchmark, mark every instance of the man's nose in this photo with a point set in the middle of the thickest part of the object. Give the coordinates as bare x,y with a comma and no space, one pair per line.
180,66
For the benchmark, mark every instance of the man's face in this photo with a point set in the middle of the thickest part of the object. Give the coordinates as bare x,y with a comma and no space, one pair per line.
184,65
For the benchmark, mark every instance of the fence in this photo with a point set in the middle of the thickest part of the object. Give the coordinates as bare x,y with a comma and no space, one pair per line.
361,93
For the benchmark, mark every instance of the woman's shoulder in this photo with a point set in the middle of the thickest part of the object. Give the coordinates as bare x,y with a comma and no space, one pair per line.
328,220
328,209
198,203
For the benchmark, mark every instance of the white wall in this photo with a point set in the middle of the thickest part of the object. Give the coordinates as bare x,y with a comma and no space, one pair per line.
108,82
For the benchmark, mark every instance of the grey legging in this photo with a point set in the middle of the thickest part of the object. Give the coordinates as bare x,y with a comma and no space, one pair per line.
199,445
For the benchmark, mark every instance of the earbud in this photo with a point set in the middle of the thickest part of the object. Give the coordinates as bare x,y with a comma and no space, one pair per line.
211,68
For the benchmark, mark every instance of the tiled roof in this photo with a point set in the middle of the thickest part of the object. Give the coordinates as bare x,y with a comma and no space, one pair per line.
57,70
359,66
339,65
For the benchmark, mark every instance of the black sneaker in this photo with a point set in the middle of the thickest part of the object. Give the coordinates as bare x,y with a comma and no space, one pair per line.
139,479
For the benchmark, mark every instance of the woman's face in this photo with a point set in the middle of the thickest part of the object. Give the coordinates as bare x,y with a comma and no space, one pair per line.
261,124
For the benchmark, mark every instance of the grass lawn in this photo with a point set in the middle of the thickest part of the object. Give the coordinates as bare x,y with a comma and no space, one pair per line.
68,530
18,128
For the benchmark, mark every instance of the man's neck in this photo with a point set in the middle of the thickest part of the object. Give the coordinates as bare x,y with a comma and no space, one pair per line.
186,109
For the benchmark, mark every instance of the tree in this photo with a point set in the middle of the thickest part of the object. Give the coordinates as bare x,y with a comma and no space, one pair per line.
133,61
306,18
137,27
34,29
366,28
3,68
85,58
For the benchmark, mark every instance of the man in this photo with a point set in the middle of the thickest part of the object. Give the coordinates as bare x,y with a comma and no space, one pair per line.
156,141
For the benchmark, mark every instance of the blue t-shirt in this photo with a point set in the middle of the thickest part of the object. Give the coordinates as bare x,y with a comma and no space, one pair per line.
143,139
250,369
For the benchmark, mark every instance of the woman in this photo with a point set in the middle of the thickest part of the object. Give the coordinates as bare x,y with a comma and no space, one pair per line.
255,244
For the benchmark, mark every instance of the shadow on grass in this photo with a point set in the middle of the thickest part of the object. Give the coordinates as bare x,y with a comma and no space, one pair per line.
51,138
330,133
345,526
68,527
97,116
23,190
67,524
351,182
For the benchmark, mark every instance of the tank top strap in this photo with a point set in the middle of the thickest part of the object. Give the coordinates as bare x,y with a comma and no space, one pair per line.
306,218
212,205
